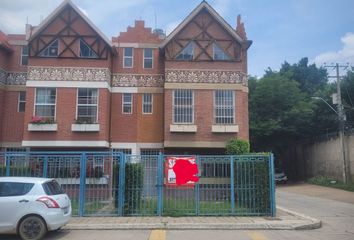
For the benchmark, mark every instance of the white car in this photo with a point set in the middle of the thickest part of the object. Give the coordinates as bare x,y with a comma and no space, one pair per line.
32,206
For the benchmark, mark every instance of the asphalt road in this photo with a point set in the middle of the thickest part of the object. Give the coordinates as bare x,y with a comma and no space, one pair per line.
334,207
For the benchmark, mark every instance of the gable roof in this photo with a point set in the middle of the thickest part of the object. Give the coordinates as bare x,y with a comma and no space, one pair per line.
57,11
198,9
4,42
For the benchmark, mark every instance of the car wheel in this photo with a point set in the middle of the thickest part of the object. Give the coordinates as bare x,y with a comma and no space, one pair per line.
33,228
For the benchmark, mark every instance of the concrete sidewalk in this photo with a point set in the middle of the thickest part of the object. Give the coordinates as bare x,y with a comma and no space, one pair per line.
285,220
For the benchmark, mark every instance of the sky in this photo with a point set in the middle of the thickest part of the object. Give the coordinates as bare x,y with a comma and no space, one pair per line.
321,30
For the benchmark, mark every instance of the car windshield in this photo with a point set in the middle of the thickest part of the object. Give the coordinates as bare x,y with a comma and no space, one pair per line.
52,188
11,189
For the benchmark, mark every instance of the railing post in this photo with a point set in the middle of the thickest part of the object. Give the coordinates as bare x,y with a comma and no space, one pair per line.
83,160
272,185
232,183
159,184
121,185
45,166
7,161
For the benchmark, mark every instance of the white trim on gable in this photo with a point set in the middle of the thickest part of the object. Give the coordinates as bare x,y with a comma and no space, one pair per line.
196,11
55,13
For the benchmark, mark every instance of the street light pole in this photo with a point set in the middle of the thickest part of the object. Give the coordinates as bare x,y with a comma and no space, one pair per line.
341,125
341,120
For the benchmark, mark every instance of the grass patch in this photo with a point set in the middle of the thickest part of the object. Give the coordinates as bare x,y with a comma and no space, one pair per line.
330,182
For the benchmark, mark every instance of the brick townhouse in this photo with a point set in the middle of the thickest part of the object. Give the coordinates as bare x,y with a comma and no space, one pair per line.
65,86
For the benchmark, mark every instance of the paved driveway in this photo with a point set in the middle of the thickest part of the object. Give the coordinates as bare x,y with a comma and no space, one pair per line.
334,207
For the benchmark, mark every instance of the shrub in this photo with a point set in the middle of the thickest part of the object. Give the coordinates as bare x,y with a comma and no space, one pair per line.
134,182
237,146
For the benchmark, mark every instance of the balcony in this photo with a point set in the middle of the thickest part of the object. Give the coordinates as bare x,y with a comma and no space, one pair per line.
224,128
85,127
43,127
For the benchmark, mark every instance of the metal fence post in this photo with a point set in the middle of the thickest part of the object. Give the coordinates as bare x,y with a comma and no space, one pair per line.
160,184
82,184
121,185
45,166
232,179
196,189
7,161
272,185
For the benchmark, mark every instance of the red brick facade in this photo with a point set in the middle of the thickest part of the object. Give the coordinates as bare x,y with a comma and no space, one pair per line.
102,68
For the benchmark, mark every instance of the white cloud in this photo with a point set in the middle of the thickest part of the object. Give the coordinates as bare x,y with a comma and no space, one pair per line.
171,26
14,13
345,55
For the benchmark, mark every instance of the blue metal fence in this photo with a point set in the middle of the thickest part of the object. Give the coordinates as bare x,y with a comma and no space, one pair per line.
117,184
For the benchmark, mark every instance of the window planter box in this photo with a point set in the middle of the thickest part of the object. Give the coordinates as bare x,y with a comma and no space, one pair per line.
47,127
76,181
224,128
85,127
189,128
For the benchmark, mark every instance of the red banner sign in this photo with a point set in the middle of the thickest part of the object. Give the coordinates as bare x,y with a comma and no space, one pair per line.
181,171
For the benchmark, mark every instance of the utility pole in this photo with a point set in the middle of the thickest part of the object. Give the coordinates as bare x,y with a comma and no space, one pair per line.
341,119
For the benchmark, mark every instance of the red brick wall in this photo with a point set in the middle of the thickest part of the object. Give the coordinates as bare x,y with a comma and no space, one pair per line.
14,60
150,126
204,118
124,126
4,59
12,125
2,99
65,116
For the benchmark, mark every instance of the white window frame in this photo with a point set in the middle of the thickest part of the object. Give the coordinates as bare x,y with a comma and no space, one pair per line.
147,58
174,106
225,107
24,55
148,103
131,103
19,101
124,57
96,104
55,104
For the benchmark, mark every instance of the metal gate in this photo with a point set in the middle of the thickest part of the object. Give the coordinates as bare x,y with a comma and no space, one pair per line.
117,184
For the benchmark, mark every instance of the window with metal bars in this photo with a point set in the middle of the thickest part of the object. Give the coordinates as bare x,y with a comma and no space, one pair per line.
150,151
147,103
224,107
127,103
87,99
123,150
183,106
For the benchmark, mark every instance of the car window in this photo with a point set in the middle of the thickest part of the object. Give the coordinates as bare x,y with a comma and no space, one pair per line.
52,188
10,189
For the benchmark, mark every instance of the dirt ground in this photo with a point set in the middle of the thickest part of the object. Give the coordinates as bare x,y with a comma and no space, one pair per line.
319,191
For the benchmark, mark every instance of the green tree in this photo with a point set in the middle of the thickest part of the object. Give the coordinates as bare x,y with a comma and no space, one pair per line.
279,111
237,146
347,88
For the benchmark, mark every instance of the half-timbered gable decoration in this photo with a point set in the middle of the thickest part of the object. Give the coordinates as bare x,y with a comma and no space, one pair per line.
205,36
68,33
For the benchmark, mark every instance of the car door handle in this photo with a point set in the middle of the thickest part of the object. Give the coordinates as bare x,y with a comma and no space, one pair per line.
23,201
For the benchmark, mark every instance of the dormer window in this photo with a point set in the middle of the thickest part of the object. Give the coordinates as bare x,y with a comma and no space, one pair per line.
219,53
187,53
86,51
51,50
